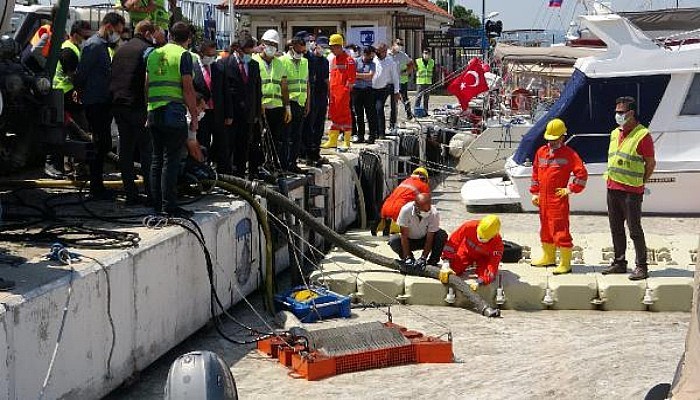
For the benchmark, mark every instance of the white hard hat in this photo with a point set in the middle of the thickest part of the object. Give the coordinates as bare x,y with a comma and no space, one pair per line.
271,35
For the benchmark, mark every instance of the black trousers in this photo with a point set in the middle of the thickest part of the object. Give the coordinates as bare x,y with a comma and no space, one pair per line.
133,136
627,207
169,135
246,148
99,117
380,96
364,104
417,244
77,113
205,132
403,90
291,141
314,125
275,121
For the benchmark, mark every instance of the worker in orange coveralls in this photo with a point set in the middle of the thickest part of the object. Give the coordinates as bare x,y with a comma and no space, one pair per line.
476,242
551,171
405,193
342,78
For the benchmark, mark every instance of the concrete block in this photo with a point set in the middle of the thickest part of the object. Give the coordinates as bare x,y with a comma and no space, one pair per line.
573,291
379,287
671,294
5,364
523,286
425,291
344,283
619,293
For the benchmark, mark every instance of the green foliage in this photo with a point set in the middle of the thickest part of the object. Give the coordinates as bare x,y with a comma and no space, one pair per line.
463,17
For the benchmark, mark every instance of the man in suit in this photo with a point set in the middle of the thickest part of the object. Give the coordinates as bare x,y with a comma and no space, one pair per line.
241,94
203,71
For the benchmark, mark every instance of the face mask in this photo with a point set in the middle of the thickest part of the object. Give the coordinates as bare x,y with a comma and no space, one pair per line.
555,144
311,45
353,54
481,240
424,214
297,56
114,37
246,58
426,56
200,116
270,51
620,118
398,48
207,60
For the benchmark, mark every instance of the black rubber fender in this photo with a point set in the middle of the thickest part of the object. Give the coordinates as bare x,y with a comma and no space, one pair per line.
512,252
659,392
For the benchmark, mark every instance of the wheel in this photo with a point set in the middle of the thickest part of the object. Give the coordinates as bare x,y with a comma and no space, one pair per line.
512,252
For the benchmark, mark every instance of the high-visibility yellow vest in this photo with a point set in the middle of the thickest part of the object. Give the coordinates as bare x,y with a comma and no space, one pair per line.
404,74
297,78
424,73
271,81
135,16
164,79
159,16
625,165
61,81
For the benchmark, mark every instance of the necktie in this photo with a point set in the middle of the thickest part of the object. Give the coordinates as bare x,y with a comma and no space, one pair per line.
206,71
241,67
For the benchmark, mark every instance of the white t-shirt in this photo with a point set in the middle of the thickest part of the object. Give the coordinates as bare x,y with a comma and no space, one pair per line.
418,227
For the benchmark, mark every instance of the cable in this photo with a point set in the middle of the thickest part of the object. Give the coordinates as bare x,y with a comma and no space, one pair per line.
109,313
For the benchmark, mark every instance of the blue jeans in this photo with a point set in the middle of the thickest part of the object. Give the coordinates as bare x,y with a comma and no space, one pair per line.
169,133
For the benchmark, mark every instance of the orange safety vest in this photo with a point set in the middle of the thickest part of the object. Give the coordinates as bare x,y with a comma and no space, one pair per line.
402,195
37,37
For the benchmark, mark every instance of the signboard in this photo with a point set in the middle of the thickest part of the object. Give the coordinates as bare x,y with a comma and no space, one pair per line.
438,39
410,22
210,23
366,35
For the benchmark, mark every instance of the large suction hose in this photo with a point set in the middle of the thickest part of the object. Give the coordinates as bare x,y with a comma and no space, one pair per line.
477,303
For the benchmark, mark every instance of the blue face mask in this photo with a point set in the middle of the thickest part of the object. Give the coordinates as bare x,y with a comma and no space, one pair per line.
246,58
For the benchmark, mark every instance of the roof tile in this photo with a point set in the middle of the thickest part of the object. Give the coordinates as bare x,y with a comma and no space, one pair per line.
424,5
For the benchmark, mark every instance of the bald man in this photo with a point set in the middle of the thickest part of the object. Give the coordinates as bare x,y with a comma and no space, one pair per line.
419,222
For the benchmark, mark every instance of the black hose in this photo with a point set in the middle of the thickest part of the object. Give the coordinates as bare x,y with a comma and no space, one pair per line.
476,302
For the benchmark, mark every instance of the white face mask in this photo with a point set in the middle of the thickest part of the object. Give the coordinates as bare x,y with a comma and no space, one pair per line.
620,118
424,214
352,53
270,51
398,48
200,116
426,56
297,56
113,37
207,60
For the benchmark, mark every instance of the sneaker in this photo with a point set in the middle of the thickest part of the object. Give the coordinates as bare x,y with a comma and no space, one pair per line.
6,284
615,268
639,273
53,173
179,212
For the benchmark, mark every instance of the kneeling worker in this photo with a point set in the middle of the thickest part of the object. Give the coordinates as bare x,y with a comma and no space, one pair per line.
420,230
406,192
475,242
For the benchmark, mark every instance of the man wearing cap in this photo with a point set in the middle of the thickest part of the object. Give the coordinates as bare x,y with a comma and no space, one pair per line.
406,67
406,192
551,171
476,243
425,67
419,222
275,91
298,83
342,78
318,101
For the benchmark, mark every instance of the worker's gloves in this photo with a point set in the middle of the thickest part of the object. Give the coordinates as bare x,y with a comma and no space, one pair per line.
287,115
536,200
473,284
409,262
445,272
420,264
562,192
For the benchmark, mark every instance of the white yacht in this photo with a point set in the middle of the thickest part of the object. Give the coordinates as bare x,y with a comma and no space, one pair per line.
664,77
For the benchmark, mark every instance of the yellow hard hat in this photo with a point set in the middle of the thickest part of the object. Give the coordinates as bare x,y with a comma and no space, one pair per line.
488,227
555,129
421,171
335,39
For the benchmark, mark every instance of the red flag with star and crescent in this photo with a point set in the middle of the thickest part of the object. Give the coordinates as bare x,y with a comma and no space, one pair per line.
469,84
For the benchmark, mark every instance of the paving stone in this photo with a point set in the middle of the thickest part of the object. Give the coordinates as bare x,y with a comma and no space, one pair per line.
426,291
618,293
379,287
573,291
344,283
671,293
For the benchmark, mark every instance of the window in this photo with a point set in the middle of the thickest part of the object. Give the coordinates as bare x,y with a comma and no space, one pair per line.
691,105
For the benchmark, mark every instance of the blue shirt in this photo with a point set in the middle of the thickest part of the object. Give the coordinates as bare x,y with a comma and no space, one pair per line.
363,67
318,74
94,72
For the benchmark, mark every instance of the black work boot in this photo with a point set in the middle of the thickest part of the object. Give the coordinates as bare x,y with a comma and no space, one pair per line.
639,273
617,267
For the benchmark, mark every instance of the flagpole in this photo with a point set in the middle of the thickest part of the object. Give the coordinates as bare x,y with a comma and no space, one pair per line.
483,29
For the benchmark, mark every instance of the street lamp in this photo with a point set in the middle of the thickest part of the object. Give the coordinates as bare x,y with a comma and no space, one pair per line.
484,18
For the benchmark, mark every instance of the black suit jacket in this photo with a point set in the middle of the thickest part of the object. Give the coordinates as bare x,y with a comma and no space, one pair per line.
242,100
200,85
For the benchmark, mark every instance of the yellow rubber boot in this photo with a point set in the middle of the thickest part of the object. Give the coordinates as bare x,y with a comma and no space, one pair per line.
564,261
548,257
332,140
347,136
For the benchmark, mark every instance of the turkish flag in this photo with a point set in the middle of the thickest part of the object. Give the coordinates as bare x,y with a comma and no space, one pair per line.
555,3
469,84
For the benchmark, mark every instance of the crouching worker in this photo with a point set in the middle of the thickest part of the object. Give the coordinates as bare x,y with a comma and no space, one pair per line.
419,223
406,192
475,243
551,171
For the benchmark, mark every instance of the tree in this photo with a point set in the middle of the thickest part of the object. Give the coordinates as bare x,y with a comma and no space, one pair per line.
463,17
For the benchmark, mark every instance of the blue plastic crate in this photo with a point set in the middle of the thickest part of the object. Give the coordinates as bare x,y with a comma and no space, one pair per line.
325,304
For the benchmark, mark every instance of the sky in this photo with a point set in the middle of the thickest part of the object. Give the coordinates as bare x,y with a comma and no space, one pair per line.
529,14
